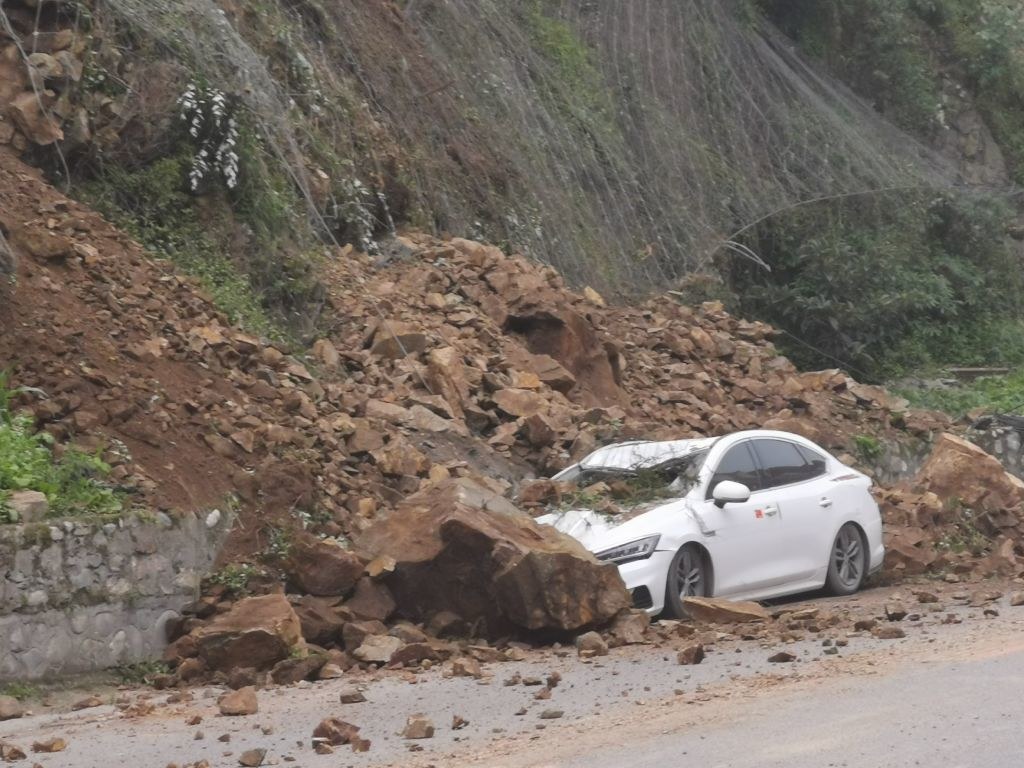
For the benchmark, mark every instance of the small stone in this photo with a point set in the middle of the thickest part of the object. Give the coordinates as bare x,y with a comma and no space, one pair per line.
11,753
418,727
52,744
352,696
1017,598
466,666
252,758
927,597
889,632
591,644
782,657
551,714
87,703
323,748
240,702
693,654
895,612
10,708
864,625
459,722
334,731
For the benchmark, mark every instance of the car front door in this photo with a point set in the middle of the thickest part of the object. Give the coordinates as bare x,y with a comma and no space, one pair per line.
798,482
741,537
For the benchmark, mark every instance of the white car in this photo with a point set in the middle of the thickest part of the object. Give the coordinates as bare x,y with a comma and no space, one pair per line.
754,515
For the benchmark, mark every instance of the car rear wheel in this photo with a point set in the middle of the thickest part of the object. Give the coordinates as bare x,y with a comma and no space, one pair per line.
848,561
687,577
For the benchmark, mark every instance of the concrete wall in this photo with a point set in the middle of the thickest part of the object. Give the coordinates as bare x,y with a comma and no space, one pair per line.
78,596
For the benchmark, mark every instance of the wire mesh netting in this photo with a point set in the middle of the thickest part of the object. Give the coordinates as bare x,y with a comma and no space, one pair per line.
622,142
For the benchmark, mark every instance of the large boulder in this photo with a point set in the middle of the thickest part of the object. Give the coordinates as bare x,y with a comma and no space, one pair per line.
457,548
257,632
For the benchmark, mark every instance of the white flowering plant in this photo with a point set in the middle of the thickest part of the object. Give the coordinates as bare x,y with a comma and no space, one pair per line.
210,118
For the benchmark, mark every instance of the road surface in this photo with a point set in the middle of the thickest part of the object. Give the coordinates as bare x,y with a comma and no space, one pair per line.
947,695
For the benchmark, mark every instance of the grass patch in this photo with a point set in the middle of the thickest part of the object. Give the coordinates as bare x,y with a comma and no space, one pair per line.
235,577
73,483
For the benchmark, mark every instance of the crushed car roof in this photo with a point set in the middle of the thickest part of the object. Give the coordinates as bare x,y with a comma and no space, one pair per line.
640,454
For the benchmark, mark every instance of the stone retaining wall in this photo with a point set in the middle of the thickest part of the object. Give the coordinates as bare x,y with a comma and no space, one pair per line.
901,461
78,596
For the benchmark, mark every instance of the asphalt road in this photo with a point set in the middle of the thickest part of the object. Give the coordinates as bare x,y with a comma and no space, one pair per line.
946,696
953,714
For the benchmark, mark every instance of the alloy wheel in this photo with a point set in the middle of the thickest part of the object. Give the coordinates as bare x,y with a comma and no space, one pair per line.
847,557
690,574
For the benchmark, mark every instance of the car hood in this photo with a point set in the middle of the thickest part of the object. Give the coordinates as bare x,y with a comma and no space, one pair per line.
598,532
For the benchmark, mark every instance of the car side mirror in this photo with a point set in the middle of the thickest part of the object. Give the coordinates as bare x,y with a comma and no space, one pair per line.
729,492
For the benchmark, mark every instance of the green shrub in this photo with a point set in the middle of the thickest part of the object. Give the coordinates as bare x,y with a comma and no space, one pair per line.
888,284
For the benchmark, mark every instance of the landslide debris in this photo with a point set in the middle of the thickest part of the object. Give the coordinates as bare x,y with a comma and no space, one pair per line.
961,516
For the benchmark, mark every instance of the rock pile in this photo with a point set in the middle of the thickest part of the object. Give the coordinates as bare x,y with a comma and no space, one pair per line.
41,57
962,514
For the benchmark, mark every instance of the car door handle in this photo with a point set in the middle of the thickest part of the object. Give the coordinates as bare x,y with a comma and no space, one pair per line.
826,503
771,511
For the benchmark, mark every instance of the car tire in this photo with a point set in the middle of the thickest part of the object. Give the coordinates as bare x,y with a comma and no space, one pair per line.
847,561
687,577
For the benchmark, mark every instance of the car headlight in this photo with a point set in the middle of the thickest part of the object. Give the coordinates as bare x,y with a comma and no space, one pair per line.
640,549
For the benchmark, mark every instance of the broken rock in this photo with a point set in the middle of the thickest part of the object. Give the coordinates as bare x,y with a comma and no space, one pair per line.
323,568
10,708
693,654
591,644
335,731
717,611
240,702
257,632
418,727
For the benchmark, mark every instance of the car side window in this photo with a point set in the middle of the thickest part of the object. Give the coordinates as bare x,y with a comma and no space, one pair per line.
815,459
738,464
782,463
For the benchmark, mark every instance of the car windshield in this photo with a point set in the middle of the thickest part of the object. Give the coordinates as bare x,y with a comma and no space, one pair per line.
672,478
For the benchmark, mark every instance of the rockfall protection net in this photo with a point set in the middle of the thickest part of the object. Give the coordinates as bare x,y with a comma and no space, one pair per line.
628,140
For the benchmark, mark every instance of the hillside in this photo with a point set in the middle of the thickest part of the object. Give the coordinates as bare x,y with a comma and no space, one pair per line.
509,375
631,147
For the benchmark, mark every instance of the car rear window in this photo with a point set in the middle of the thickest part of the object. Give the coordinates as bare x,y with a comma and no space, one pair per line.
784,464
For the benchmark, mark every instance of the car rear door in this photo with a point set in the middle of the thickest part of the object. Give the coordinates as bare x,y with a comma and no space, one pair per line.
797,480
741,537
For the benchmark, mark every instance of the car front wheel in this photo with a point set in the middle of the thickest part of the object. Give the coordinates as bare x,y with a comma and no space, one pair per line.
687,577
848,561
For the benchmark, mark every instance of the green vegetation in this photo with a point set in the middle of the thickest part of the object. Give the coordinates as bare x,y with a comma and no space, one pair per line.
72,482
235,577
19,691
141,673
1002,394
890,283
574,85
891,51
868,448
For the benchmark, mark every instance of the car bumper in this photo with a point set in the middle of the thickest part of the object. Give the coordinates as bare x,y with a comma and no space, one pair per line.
646,580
